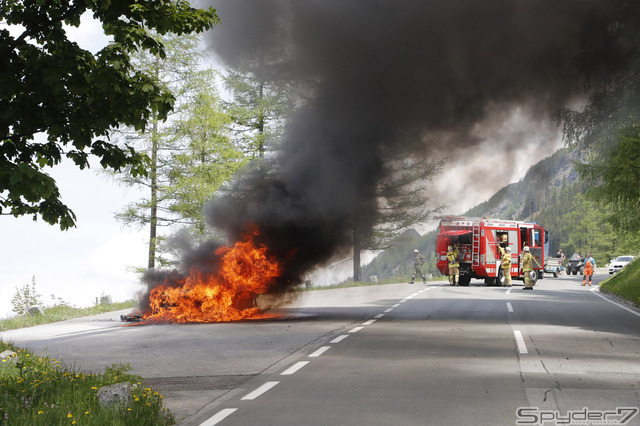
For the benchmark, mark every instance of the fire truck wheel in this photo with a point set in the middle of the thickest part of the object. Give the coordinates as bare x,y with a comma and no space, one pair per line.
464,280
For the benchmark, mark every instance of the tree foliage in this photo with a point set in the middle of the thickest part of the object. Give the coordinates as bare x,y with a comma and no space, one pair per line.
260,105
191,154
403,202
50,85
605,130
614,177
204,157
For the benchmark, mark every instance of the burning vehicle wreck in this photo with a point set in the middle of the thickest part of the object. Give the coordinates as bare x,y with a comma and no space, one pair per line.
225,289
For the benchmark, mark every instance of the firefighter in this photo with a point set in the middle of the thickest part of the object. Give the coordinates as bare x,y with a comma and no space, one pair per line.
454,265
527,267
506,265
589,266
505,241
418,261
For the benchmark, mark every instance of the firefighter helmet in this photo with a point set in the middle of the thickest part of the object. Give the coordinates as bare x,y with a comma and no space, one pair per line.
508,249
450,248
416,251
526,248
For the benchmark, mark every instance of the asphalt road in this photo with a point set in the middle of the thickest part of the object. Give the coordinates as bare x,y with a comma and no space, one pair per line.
392,354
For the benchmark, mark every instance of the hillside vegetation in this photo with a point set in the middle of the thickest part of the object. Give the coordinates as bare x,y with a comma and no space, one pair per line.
625,284
551,194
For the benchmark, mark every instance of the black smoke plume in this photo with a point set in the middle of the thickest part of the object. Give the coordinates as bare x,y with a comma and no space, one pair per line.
381,76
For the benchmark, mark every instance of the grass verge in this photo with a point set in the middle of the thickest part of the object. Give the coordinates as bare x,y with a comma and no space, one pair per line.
61,313
625,284
42,391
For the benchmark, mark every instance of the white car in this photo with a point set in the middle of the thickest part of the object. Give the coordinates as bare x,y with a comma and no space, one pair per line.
619,263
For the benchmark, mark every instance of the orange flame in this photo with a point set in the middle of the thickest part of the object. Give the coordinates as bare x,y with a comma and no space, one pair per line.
228,295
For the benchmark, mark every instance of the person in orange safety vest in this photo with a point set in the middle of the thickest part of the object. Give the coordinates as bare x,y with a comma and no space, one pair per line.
589,266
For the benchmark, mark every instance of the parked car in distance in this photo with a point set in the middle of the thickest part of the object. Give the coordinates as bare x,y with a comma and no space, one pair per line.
619,262
575,265
552,265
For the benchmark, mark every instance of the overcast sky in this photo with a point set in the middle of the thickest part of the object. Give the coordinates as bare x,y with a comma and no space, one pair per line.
96,258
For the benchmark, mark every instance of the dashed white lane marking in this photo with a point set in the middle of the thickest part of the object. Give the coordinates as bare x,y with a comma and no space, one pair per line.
223,414
597,293
339,338
522,348
509,307
256,393
320,351
218,417
295,367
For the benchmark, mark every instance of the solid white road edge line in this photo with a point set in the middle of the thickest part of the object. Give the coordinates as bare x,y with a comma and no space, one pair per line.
295,367
520,341
256,393
320,351
596,291
218,417
509,307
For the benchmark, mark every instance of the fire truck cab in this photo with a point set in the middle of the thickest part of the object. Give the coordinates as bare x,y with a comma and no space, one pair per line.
478,239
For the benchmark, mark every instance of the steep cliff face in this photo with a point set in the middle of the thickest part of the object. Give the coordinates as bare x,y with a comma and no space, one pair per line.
522,199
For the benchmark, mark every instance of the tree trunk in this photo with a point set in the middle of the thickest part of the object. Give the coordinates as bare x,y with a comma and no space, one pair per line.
261,119
153,216
356,254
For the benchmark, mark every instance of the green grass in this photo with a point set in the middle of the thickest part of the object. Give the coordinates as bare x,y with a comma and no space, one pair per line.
61,313
625,284
350,283
42,391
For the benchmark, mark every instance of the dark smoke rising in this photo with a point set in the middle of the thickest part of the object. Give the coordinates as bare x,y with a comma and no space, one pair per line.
381,76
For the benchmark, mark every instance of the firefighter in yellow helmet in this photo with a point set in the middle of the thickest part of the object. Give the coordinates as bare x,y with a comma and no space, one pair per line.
454,265
527,268
505,264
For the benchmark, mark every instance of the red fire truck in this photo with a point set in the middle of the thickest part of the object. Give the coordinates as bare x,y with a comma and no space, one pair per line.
478,239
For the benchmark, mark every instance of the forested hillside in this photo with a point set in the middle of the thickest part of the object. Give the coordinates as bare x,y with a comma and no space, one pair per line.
551,194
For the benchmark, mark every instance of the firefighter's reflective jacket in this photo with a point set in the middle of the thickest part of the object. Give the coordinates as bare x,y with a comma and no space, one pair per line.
452,257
